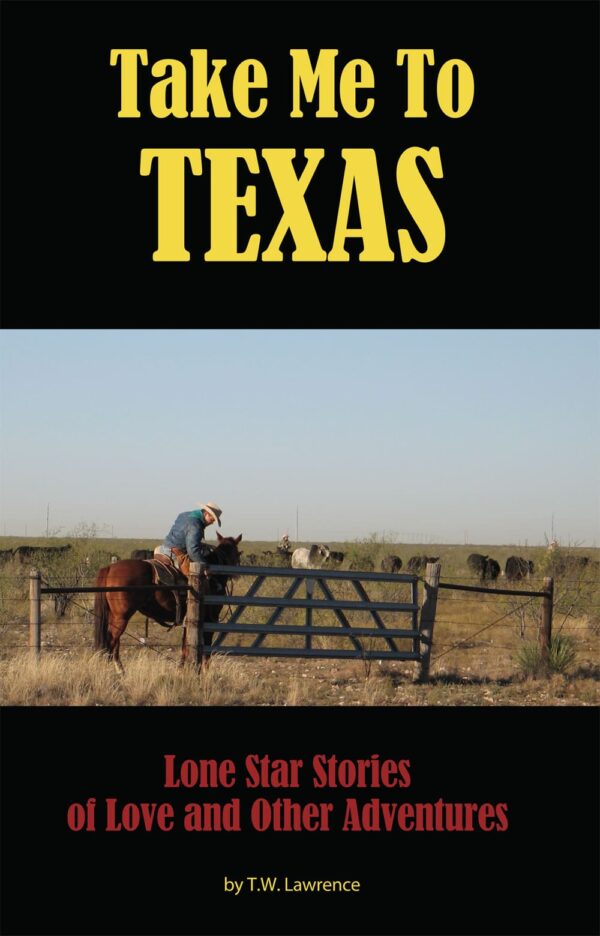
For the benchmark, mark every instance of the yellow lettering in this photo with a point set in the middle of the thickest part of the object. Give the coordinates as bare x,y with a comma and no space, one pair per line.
415,90
171,197
321,78
249,74
465,88
421,204
176,82
361,171
129,60
203,89
224,202
296,217
356,74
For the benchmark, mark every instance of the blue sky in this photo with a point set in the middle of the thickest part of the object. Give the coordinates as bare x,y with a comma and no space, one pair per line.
485,437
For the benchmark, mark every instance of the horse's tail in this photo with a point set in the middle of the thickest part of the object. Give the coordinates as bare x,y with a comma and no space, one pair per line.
101,639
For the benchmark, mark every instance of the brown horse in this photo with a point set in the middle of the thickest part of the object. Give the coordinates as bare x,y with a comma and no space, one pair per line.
113,610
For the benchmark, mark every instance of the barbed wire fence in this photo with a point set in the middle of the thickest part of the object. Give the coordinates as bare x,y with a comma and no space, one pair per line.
472,631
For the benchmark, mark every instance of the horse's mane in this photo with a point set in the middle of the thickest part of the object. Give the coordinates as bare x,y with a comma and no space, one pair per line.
225,553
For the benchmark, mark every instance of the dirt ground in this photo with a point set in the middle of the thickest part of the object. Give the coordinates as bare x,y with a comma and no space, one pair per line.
318,682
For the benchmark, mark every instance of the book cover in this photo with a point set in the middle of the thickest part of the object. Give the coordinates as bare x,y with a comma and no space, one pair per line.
313,166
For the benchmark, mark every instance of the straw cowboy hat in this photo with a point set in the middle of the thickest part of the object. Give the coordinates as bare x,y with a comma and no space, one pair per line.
213,509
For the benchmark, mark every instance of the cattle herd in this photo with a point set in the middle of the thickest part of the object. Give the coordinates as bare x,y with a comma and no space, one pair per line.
485,568
320,555
488,569
30,553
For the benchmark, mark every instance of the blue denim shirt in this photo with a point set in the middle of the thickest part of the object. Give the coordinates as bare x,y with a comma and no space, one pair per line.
187,533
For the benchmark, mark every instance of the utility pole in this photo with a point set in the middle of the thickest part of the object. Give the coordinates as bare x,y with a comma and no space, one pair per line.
47,519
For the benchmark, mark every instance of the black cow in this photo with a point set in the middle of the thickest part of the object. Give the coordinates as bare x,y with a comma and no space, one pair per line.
477,563
517,568
419,563
335,556
485,568
142,554
6,554
23,553
492,570
391,564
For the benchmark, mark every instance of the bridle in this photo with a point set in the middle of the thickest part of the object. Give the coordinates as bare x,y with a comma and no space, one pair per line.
231,557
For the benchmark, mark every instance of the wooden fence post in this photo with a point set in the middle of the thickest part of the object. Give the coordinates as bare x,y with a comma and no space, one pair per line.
194,616
545,631
35,612
432,580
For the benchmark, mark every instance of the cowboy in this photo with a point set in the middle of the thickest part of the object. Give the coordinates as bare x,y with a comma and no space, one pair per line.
184,541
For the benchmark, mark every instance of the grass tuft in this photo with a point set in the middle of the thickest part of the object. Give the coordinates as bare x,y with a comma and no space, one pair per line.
534,662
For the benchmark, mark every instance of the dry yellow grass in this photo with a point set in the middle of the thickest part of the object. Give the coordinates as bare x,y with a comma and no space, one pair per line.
89,680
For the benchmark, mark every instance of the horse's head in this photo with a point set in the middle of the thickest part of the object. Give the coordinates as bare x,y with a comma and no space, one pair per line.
226,551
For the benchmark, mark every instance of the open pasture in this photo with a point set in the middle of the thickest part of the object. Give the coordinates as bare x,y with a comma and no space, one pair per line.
479,654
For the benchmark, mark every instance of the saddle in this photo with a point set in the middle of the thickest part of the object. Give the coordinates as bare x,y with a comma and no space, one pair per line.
165,573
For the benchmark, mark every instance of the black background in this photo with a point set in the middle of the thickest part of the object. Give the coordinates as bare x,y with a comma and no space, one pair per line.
520,202
540,876
519,193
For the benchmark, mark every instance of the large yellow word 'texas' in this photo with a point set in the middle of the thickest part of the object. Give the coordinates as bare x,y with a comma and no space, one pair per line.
360,176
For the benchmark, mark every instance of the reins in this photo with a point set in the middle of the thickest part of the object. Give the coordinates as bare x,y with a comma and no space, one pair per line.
228,580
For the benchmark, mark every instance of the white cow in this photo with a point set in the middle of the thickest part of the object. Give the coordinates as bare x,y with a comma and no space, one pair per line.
313,558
